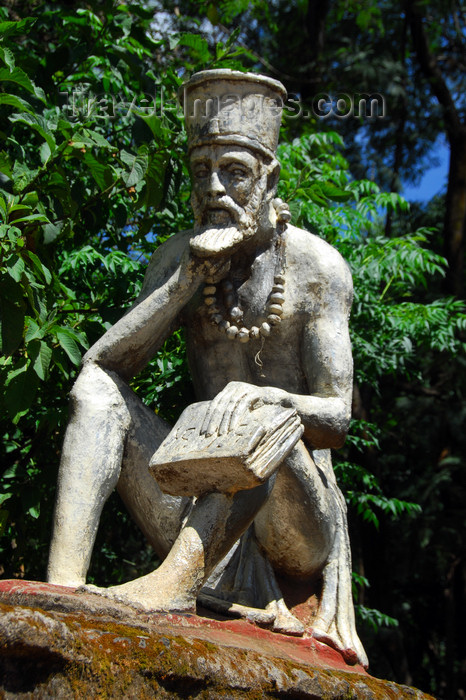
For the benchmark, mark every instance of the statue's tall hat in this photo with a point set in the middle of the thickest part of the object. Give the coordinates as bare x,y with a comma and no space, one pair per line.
230,107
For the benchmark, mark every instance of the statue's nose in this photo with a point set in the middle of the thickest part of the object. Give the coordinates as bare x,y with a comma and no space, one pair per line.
216,187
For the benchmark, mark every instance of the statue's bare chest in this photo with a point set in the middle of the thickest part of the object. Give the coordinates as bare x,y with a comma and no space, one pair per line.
274,358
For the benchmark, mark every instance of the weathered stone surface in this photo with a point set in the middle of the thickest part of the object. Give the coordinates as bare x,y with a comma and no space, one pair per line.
55,643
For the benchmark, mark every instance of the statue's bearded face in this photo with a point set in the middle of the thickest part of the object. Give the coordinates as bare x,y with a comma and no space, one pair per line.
230,188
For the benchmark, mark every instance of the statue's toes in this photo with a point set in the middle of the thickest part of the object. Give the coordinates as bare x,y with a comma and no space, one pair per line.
349,654
288,624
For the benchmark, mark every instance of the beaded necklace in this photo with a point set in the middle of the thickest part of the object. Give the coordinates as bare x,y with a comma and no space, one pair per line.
233,325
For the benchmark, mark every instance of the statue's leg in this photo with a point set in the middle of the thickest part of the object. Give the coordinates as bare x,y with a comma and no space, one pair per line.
297,525
303,529
214,524
103,433
158,514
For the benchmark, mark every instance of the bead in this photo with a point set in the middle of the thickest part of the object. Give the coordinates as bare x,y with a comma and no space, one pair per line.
236,313
265,329
279,279
227,285
224,325
278,288
216,318
209,300
275,309
243,335
273,319
277,298
231,332
209,280
213,309
207,291
229,300
254,332
284,216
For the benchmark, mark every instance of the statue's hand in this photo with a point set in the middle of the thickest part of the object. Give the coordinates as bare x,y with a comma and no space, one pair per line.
229,406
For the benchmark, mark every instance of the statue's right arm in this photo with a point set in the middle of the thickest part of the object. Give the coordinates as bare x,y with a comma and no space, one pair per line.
171,280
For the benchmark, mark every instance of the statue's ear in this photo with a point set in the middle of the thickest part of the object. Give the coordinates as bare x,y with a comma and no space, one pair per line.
273,175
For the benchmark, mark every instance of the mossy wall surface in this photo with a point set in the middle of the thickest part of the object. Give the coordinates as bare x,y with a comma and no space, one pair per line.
66,652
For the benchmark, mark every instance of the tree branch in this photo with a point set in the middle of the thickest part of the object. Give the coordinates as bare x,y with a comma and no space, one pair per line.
430,68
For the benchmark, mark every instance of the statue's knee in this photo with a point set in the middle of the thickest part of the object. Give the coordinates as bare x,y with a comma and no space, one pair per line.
97,391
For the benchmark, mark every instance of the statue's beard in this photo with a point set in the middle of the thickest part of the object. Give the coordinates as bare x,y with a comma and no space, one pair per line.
221,226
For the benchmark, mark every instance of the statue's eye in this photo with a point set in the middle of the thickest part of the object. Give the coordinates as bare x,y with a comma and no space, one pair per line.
237,171
201,171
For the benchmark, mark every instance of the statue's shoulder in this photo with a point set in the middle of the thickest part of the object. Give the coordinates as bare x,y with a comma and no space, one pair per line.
165,260
317,269
314,261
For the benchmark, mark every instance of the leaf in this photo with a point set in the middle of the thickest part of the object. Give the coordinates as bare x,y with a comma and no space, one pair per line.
39,124
43,271
213,14
7,57
138,170
45,153
33,330
20,392
6,165
335,193
14,101
68,344
11,324
15,266
31,217
19,77
22,176
34,511
102,174
198,44
30,498
98,139
15,28
52,231
4,497
40,355
3,209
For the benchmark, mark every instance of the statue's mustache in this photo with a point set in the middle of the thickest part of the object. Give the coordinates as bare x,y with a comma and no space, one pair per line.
225,203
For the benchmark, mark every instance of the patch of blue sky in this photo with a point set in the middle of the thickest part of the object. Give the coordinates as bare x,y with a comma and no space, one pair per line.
434,180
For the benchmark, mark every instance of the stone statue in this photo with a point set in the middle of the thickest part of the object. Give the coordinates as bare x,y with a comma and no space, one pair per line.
244,491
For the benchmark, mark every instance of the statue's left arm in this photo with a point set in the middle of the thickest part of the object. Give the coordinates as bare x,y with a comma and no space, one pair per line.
327,362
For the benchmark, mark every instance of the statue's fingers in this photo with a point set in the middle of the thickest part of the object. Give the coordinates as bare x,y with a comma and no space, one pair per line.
275,453
277,442
215,420
243,404
216,410
256,438
230,410
212,409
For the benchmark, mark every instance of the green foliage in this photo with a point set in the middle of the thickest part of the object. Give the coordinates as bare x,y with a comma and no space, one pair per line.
399,329
87,169
93,177
374,618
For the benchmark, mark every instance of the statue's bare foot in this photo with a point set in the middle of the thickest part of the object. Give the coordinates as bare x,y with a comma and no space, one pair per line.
149,594
285,622
349,654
